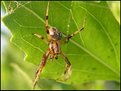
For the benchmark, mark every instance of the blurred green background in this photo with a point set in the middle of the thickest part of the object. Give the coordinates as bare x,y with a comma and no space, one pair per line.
18,74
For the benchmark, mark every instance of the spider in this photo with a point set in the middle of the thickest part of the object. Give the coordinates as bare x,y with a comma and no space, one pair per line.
54,41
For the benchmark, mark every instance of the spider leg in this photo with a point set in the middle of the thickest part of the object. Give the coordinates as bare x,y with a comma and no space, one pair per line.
40,68
68,70
66,39
39,36
47,28
76,32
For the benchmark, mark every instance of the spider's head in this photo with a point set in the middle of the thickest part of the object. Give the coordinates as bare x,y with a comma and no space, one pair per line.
54,34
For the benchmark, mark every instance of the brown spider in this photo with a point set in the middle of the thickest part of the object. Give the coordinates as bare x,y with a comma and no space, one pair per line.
54,40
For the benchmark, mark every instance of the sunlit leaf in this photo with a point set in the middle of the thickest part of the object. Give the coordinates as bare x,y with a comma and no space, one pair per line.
94,53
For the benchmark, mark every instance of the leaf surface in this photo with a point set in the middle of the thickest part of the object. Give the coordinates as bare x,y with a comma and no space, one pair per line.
94,53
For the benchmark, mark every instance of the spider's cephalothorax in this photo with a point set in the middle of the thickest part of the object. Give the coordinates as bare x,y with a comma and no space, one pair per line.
54,34
54,41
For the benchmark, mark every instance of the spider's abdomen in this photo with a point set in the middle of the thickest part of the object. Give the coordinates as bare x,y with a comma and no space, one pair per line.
54,34
54,47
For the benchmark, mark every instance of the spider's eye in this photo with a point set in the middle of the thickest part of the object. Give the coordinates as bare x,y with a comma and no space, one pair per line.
55,34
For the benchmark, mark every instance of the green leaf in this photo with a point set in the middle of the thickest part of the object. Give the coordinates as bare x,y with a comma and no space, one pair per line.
94,53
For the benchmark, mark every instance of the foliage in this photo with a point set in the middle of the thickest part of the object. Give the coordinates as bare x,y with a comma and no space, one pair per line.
94,53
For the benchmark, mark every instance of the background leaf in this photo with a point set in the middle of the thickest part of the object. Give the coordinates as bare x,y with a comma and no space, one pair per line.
94,52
